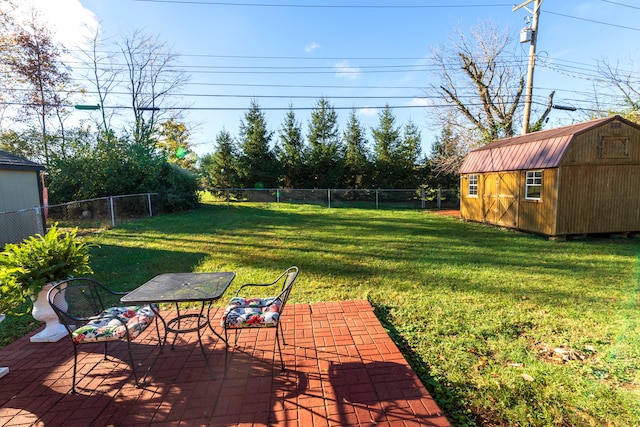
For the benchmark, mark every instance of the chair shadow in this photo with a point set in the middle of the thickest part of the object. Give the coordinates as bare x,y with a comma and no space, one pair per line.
187,387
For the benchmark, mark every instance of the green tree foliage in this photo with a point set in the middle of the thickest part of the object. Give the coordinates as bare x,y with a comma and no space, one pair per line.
24,144
116,166
445,161
408,156
220,169
258,165
326,158
386,140
291,152
357,165
173,142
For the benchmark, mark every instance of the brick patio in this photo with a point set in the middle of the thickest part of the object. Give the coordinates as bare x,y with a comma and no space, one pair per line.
342,369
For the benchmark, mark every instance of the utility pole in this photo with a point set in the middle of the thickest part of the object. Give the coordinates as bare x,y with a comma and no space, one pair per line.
532,60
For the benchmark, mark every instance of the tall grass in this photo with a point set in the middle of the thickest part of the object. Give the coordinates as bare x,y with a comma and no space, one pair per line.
485,316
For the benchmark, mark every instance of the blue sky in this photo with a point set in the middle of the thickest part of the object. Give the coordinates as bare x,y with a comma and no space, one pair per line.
359,53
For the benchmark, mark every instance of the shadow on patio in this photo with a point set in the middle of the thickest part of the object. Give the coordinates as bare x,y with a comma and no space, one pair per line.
342,369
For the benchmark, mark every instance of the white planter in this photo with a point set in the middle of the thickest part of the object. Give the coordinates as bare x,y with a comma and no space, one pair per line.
42,311
3,369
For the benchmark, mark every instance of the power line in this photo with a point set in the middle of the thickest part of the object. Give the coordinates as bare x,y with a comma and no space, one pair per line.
325,6
621,4
592,20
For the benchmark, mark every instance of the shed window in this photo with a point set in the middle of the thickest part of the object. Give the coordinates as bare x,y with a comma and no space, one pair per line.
473,185
534,185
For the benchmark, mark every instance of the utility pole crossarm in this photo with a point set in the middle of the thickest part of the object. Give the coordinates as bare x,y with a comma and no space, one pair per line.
520,6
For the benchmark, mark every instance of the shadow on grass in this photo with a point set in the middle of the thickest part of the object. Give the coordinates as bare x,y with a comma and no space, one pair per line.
448,397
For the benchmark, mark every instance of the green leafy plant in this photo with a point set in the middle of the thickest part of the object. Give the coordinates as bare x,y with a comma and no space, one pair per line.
11,296
26,267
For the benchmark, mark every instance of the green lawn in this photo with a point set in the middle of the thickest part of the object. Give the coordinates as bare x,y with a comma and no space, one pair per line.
478,311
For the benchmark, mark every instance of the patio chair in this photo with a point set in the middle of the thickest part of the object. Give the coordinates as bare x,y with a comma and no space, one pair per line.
83,307
259,312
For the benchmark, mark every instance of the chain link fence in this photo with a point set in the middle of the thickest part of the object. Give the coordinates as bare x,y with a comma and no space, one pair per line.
421,198
15,226
99,213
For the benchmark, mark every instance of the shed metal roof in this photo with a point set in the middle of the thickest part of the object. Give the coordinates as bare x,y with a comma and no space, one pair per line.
11,161
537,150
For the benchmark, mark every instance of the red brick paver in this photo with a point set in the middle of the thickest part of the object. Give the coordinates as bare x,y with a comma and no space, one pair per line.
342,369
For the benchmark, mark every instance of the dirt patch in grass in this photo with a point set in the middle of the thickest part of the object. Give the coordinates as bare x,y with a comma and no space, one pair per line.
560,355
447,212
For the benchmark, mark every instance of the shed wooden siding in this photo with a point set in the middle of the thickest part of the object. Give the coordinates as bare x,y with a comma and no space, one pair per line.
590,180
501,201
539,216
599,199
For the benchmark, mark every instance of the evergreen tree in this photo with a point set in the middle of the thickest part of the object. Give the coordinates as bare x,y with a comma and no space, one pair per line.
445,160
291,152
220,168
386,146
325,161
258,167
356,160
408,156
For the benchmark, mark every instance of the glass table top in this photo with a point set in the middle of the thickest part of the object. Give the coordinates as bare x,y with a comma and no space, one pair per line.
181,287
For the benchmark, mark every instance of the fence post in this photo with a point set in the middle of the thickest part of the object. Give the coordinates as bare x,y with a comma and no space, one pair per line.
439,198
149,201
228,198
377,197
113,214
329,197
278,195
423,195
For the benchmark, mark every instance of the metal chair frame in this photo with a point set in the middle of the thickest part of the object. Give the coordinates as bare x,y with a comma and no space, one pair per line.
287,278
77,301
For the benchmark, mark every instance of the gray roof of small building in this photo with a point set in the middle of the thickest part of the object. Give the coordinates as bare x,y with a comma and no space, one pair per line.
537,150
11,161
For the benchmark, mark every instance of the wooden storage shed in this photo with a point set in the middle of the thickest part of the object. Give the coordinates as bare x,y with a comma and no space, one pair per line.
21,199
573,180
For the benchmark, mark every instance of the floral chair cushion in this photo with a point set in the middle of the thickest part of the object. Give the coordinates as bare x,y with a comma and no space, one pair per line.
109,326
252,312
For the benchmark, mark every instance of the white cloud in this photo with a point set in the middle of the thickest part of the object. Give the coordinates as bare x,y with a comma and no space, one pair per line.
420,102
69,22
345,70
368,111
311,47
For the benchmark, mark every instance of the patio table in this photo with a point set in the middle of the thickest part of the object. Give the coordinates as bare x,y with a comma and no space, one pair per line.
177,288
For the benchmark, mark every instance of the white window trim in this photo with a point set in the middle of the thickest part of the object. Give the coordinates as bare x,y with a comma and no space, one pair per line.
536,177
470,184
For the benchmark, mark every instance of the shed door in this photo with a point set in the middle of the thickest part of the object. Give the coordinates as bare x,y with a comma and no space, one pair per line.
499,204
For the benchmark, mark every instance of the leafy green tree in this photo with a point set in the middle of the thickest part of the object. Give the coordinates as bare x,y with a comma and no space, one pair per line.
356,160
24,144
173,141
220,168
326,158
291,152
386,139
257,166
116,166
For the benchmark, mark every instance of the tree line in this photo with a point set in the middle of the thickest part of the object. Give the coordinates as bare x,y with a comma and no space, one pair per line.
320,155
478,89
